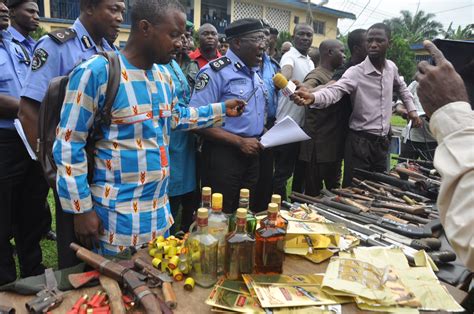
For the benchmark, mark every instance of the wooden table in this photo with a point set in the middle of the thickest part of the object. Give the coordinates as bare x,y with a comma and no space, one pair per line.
193,302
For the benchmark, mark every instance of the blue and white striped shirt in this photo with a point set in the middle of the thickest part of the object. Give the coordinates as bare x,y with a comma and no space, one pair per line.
130,183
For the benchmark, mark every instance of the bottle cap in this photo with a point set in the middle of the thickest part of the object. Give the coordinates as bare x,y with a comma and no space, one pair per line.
272,208
244,192
217,200
276,198
202,213
206,190
241,213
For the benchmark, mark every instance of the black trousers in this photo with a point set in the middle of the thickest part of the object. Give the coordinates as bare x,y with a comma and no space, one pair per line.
415,150
23,192
187,203
227,170
319,173
264,185
287,164
364,151
65,235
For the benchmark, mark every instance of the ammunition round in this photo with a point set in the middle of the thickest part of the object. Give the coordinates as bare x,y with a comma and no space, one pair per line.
189,284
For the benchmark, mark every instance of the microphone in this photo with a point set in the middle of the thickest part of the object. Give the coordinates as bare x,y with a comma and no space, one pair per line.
287,87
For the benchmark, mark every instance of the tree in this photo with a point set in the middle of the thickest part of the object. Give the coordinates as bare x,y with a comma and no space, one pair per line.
38,33
343,39
400,53
282,37
415,28
460,33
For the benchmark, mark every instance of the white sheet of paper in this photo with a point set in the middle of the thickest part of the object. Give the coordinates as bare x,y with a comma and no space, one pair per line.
19,129
284,132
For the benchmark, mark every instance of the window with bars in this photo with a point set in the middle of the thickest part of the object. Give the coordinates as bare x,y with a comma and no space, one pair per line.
245,10
278,18
70,10
319,27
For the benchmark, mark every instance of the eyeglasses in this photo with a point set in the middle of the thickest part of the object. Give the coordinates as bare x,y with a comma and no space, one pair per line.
257,40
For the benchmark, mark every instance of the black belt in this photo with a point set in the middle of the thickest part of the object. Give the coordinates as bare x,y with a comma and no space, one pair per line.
371,137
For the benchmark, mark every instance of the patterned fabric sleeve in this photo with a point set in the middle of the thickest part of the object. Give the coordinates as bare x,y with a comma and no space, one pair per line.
85,89
202,117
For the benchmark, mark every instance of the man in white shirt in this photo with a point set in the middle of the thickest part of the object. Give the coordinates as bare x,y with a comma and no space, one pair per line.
295,65
444,98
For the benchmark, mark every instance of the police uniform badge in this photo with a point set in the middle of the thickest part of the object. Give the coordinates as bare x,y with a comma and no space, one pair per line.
202,81
39,59
220,63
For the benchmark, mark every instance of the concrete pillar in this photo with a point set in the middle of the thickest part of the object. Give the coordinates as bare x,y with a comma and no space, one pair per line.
197,14
47,8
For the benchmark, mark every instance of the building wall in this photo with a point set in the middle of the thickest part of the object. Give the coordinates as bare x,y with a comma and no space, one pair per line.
280,16
261,9
330,25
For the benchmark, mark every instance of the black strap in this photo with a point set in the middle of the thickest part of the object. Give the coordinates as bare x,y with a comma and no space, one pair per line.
113,84
27,60
104,116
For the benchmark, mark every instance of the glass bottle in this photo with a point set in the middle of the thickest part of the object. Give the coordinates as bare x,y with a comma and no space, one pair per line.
240,249
270,239
202,248
244,202
280,221
206,197
218,224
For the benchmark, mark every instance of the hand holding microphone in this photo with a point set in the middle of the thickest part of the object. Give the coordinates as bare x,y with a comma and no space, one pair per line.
301,97
287,87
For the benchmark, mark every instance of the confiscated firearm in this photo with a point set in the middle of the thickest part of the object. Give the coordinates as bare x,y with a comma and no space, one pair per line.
126,276
425,163
48,298
405,185
381,211
414,210
376,236
358,215
388,190
405,172
158,279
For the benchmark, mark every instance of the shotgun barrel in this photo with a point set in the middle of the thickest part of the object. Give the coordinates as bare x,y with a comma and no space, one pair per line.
123,275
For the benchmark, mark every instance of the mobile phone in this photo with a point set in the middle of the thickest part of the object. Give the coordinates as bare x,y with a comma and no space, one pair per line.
461,54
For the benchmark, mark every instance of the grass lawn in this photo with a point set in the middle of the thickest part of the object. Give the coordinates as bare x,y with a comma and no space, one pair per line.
49,247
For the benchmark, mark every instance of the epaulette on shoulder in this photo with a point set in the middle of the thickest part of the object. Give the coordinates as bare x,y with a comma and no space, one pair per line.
220,63
60,36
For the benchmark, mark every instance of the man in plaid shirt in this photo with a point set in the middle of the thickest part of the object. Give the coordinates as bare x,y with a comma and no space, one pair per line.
126,204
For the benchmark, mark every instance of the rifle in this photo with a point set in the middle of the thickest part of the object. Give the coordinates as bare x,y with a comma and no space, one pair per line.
377,210
376,236
355,214
380,194
425,163
396,191
158,279
48,298
365,195
405,185
415,175
367,205
127,277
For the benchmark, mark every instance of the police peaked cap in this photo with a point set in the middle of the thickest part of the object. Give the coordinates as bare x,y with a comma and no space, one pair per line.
14,3
222,39
244,26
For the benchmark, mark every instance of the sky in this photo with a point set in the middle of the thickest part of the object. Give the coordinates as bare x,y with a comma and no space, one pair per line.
368,12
